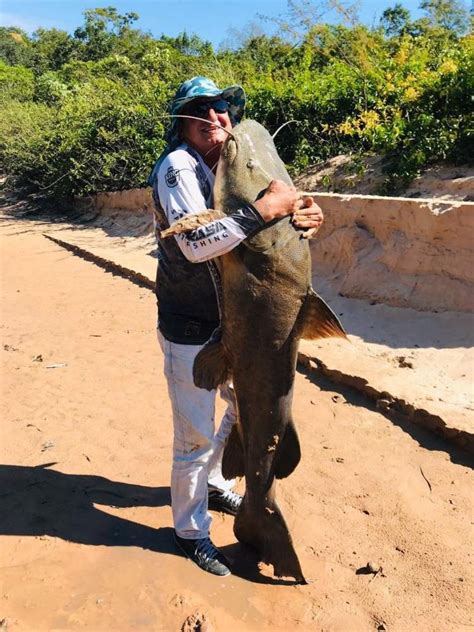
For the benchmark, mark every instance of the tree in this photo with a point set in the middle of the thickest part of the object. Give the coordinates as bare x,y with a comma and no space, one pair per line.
447,14
303,15
190,45
15,46
101,31
16,82
52,49
395,20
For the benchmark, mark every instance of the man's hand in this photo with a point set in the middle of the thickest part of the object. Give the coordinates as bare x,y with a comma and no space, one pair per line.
309,215
279,200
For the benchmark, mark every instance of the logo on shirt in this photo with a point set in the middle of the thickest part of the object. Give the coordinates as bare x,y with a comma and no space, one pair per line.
172,177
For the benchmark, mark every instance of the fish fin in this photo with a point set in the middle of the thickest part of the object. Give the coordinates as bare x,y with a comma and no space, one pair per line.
233,457
211,366
192,221
318,320
289,453
264,529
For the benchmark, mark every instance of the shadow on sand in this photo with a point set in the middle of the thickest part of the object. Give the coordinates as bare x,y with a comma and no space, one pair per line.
246,564
38,501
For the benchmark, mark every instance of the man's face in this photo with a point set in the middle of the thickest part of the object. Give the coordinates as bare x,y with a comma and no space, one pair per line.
205,137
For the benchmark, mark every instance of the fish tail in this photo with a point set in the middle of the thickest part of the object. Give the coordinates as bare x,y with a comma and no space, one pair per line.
264,529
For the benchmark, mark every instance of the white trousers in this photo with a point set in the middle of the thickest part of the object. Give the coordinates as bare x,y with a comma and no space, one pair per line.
197,448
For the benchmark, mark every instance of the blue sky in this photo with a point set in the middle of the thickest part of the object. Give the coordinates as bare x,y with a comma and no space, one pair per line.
211,19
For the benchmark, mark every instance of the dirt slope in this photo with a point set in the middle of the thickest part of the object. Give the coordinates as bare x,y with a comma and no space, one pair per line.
86,523
350,174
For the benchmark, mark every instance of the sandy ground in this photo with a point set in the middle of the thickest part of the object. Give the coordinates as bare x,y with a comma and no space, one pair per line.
423,359
86,540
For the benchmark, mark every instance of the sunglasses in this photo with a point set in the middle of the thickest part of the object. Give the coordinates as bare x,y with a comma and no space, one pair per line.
201,109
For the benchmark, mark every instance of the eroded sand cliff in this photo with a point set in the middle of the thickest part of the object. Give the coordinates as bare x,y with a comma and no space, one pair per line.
398,251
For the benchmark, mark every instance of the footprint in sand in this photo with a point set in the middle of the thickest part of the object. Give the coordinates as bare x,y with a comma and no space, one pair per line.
197,622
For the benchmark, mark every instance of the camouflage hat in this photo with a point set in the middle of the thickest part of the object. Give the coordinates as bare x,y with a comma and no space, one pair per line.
196,88
199,87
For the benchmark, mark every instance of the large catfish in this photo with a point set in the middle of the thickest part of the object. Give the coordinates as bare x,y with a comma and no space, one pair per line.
268,304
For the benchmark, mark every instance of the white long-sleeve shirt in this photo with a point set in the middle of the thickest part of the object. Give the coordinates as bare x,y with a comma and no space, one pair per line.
184,185
188,284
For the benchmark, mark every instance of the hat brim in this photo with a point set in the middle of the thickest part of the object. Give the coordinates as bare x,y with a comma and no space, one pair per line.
234,95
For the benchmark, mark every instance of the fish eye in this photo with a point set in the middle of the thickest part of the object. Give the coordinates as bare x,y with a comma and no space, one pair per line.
251,164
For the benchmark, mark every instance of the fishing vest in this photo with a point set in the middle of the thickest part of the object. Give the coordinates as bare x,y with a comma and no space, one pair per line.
187,293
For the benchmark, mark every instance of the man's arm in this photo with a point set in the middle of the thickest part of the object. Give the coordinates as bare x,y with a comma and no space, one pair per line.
181,195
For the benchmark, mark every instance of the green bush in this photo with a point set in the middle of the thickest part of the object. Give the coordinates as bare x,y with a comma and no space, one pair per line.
25,142
16,82
107,137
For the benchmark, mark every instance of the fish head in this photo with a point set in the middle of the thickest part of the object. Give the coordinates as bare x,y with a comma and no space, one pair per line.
248,163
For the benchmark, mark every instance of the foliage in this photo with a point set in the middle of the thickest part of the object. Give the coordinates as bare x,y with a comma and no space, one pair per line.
395,20
103,137
25,132
446,14
15,46
16,82
103,29
87,112
52,49
191,45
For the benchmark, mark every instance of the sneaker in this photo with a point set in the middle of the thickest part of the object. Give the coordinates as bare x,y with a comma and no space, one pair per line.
227,502
203,553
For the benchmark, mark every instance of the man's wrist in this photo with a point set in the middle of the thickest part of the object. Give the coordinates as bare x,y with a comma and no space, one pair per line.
264,210
256,213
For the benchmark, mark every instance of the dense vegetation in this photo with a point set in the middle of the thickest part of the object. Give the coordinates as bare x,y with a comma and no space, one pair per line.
87,112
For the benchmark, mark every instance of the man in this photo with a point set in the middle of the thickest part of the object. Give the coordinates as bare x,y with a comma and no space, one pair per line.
187,289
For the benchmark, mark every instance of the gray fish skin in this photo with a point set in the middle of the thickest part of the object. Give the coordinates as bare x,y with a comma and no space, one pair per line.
265,282
268,304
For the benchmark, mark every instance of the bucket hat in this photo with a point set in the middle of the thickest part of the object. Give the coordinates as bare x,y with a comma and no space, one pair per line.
199,87
196,88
